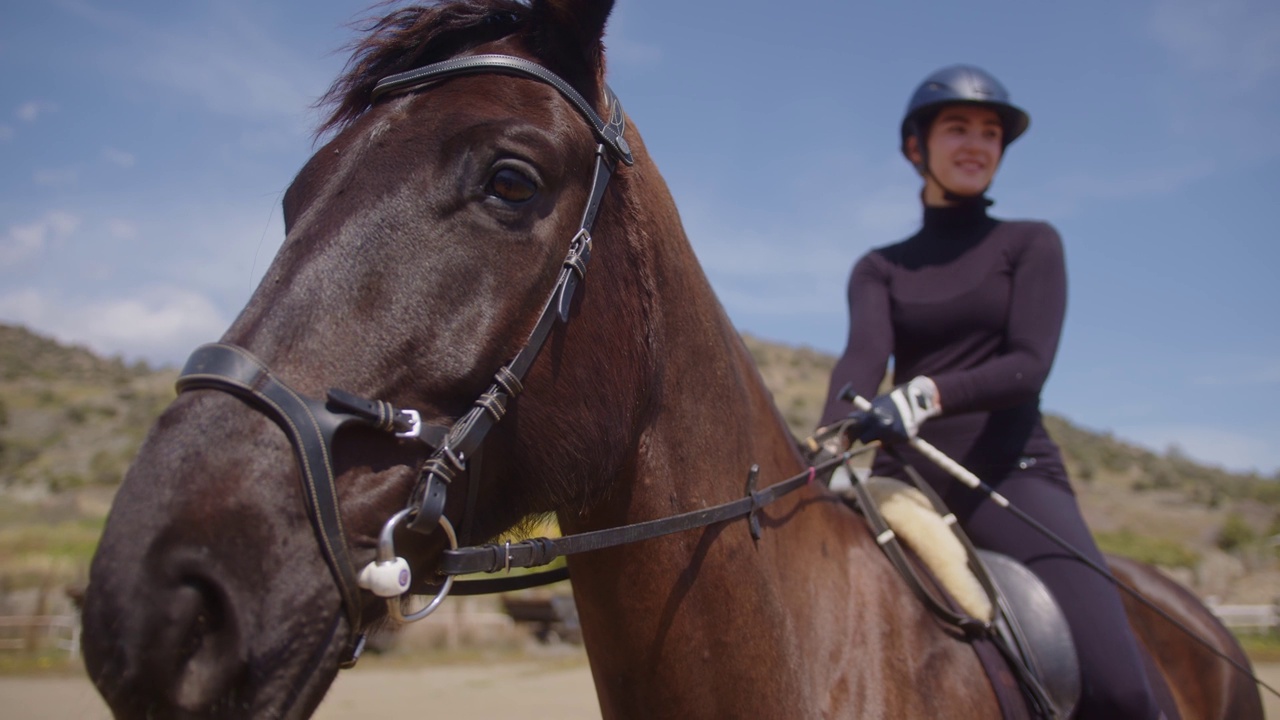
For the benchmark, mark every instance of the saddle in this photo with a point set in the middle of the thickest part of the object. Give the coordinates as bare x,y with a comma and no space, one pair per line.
991,598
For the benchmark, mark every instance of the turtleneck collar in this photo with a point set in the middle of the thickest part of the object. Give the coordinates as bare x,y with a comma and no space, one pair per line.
959,218
948,232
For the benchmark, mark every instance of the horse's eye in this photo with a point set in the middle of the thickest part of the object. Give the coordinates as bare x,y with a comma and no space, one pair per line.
512,186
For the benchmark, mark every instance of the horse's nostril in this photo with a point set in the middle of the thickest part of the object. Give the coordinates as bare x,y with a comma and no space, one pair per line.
203,642
205,611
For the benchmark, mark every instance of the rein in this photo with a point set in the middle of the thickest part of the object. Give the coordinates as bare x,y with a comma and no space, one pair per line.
535,552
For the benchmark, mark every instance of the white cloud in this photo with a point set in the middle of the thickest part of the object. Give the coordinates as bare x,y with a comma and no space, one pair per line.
621,46
224,78
56,177
1225,61
118,157
31,110
631,53
230,65
1237,42
121,229
1247,372
160,323
887,213
1065,193
22,242
783,275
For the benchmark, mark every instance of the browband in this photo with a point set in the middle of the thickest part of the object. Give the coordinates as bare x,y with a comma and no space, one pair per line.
610,133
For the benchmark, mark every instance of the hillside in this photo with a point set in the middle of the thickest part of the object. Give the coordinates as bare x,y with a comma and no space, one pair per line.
71,421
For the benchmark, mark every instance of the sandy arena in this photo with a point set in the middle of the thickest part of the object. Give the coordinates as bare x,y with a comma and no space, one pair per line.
558,689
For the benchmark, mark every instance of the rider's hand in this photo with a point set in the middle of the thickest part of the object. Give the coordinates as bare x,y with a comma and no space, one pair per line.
898,414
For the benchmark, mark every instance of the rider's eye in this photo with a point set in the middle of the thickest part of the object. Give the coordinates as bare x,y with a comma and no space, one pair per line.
512,186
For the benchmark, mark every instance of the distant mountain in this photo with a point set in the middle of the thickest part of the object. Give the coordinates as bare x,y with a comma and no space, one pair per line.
71,422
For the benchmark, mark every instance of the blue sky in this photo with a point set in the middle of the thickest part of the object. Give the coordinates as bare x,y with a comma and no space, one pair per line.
144,148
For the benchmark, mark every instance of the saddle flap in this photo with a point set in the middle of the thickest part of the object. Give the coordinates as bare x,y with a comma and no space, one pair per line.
1038,631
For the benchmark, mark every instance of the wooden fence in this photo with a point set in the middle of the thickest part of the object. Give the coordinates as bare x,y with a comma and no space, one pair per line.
31,633
1254,618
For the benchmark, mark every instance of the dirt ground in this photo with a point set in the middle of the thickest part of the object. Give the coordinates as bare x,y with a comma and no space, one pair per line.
559,688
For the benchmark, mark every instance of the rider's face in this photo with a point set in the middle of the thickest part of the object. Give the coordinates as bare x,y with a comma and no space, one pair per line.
965,145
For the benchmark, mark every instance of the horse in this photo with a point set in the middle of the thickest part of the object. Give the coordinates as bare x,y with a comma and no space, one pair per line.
471,143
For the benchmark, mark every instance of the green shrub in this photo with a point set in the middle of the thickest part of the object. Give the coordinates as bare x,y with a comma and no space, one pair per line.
1234,533
107,468
1154,551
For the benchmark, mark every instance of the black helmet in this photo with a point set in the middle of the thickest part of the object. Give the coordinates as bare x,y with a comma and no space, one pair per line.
962,84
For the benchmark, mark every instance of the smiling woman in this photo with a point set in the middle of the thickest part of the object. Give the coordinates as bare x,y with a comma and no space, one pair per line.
970,310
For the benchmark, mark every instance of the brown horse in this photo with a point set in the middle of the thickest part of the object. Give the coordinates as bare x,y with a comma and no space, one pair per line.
421,242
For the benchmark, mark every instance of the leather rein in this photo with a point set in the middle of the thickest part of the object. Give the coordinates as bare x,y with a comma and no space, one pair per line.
311,424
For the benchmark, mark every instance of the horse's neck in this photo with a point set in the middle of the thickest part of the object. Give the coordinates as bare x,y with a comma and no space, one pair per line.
714,417
661,616
711,622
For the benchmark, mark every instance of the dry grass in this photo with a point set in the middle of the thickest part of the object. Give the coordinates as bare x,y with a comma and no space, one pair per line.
70,423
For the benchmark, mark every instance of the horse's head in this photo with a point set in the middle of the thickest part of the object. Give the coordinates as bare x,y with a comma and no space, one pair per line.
424,241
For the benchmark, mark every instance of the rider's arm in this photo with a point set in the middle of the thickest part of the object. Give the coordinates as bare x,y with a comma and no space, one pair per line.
1037,307
870,342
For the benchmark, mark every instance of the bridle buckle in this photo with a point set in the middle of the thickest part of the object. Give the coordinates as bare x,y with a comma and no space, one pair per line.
415,425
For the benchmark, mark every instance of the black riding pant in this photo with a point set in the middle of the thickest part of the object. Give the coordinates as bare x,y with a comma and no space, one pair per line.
1114,684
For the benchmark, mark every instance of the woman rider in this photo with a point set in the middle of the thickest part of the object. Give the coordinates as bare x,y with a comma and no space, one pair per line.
970,309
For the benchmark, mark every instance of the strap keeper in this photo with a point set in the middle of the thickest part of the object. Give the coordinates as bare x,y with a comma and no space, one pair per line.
575,263
494,403
753,522
579,253
508,381
438,467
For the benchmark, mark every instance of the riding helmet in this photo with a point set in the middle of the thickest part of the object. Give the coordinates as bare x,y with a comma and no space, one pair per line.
961,84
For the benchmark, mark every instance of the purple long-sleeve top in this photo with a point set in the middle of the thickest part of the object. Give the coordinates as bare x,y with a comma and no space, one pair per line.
976,304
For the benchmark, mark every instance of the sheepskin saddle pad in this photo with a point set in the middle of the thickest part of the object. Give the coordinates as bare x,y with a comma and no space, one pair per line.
1031,620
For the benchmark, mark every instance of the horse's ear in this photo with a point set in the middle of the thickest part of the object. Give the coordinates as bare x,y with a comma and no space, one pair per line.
568,36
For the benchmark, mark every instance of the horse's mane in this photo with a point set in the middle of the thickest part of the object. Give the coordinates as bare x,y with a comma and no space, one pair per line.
411,37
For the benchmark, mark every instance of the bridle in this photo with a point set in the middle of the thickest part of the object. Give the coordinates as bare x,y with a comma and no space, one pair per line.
312,424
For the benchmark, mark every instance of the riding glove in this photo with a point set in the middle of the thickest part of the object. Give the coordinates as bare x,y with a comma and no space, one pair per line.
898,414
